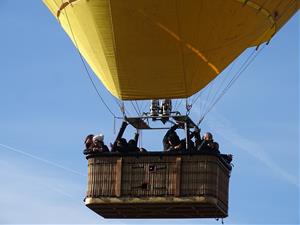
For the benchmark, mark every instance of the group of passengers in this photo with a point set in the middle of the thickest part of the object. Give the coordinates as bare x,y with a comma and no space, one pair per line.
95,144
171,142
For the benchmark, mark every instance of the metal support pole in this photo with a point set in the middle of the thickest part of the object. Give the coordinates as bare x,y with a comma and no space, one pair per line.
122,129
187,135
120,133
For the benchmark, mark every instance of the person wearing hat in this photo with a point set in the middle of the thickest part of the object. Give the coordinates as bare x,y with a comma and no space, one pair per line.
99,146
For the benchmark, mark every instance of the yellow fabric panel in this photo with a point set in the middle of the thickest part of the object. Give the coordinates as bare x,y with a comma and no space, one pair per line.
150,49
94,42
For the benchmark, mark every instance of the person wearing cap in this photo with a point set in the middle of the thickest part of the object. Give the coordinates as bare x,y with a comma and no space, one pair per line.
99,146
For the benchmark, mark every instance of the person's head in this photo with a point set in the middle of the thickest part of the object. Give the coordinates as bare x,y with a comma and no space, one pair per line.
208,136
121,142
174,139
132,143
89,138
98,138
89,141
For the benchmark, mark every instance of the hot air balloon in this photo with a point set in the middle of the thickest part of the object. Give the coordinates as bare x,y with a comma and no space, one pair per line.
172,49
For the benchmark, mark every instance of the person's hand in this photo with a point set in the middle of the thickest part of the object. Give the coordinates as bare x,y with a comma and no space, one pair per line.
175,126
180,125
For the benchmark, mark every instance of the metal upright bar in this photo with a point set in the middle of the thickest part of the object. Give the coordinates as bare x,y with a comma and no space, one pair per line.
122,129
187,135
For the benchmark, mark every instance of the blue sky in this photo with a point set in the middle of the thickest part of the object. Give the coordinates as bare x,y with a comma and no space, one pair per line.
48,106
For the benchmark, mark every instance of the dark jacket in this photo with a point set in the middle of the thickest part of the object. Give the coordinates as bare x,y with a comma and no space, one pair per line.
209,147
120,145
89,141
196,135
183,144
132,146
87,151
170,132
100,147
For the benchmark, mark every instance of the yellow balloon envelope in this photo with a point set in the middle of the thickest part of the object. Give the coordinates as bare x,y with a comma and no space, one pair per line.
151,49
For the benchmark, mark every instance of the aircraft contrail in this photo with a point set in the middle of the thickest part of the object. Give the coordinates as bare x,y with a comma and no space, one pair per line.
41,159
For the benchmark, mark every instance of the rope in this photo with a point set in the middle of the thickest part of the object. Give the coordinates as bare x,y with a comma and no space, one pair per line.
118,102
125,109
178,105
245,65
206,97
135,109
188,106
223,82
286,8
175,102
86,69
214,99
138,107
197,96
145,104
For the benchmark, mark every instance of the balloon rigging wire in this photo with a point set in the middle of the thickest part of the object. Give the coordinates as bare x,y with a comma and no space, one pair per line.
178,104
223,82
215,99
206,96
242,69
230,83
248,61
211,87
134,107
87,71
175,102
138,107
144,106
